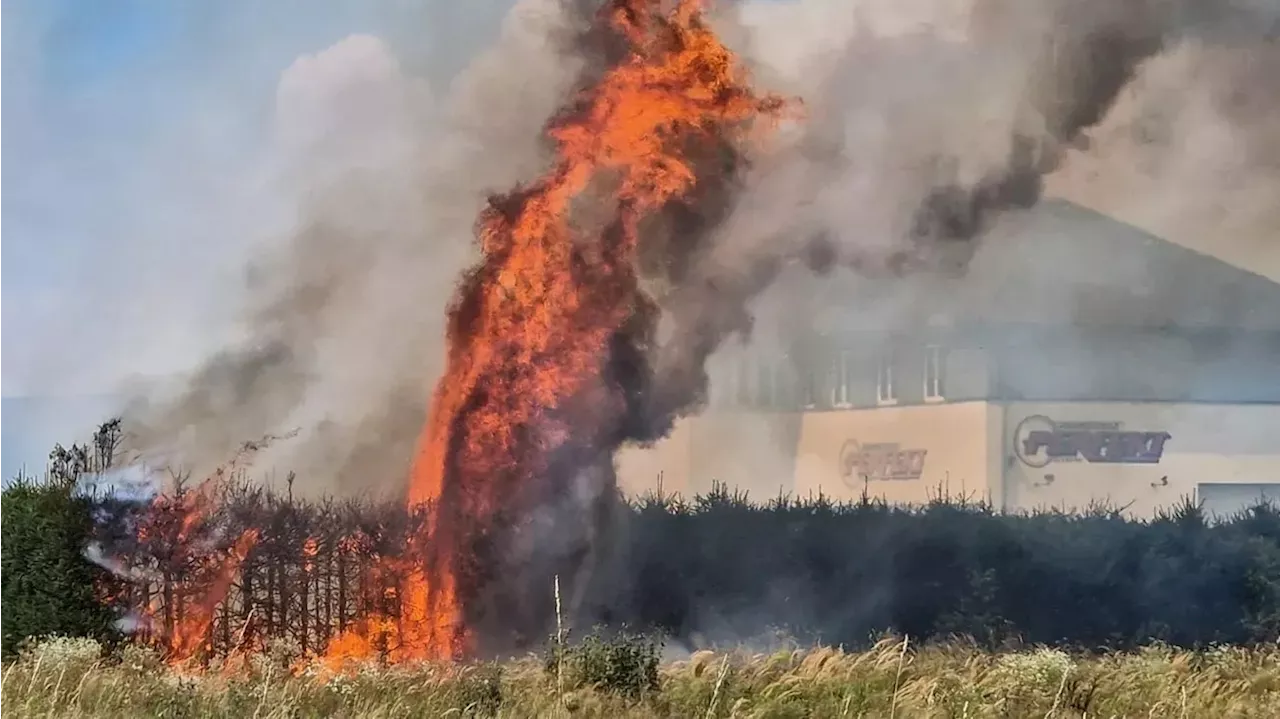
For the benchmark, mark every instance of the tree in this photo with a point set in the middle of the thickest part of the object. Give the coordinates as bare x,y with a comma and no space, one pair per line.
48,587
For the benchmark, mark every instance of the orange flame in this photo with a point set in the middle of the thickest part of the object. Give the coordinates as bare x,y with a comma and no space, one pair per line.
190,635
409,632
529,334
530,326
194,579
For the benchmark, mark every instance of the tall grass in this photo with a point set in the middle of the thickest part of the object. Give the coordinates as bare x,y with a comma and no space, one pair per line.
894,678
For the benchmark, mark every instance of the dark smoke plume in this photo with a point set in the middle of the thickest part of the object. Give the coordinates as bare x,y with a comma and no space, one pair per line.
756,216
1090,51
547,512
753,215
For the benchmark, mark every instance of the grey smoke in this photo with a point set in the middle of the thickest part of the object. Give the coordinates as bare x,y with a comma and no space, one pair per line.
95,553
913,143
344,323
923,138
1192,153
128,483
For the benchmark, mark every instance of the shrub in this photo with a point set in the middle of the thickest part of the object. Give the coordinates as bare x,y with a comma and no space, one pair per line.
48,585
625,665
75,653
480,690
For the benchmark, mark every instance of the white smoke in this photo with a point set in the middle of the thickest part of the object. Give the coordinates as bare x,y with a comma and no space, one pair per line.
343,335
343,338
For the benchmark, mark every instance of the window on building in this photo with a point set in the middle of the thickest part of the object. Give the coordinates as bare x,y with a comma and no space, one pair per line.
723,389
808,380
765,381
841,388
745,382
732,395
785,391
935,359
886,392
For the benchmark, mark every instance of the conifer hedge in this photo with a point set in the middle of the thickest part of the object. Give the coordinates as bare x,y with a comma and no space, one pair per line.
715,568
841,573
48,585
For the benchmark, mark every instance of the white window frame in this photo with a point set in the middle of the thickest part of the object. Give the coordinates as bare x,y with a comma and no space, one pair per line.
723,393
841,392
765,384
784,394
808,380
743,395
935,367
886,391
730,398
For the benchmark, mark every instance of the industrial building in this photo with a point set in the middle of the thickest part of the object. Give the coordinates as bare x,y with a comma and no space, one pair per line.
1077,360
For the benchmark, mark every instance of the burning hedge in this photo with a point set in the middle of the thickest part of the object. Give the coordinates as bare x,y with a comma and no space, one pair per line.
321,574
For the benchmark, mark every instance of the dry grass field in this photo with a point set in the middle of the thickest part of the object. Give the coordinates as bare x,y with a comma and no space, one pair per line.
70,678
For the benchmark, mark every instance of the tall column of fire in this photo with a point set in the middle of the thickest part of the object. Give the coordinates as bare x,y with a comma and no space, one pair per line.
546,334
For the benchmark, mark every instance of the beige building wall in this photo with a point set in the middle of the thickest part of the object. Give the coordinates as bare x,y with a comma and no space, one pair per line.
752,452
641,468
900,454
1142,456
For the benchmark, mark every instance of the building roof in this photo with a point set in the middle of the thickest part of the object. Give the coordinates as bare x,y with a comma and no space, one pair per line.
1061,264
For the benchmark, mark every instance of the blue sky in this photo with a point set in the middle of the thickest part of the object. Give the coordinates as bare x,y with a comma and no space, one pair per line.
132,133
122,117
131,129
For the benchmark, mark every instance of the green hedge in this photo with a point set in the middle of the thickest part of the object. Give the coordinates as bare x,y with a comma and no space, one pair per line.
716,568
841,573
48,586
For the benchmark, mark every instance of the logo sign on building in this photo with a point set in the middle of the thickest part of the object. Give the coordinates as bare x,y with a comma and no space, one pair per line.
882,461
1039,440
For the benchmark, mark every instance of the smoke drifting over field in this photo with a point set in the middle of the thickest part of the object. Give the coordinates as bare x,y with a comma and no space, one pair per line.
346,324
914,138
